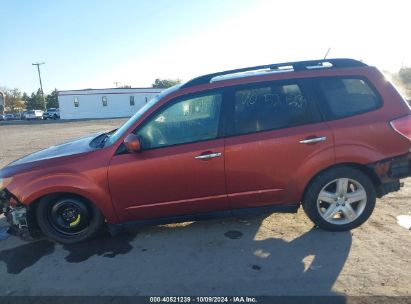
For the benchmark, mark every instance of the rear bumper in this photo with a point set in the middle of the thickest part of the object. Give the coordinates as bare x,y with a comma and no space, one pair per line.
401,168
390,171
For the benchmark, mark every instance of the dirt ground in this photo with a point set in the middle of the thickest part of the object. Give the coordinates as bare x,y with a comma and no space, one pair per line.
279,254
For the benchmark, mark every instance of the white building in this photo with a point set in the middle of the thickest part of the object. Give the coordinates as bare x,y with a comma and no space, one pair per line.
103,103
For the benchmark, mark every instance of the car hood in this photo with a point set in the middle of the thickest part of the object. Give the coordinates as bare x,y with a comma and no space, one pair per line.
74,147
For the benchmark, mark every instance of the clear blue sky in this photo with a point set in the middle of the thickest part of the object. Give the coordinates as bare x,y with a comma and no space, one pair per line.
92,43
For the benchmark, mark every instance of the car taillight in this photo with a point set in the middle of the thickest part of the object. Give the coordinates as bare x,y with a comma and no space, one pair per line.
403,126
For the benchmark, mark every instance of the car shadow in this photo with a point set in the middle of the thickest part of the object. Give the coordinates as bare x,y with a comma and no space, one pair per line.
103,245
24,256
232,258
308,264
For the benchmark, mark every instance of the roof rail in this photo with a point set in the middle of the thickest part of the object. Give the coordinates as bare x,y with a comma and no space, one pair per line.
296,66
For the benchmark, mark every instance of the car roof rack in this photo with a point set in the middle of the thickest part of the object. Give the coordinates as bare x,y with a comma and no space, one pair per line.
295,66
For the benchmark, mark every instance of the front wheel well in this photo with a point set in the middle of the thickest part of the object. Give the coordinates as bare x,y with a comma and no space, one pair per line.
33,225
360,167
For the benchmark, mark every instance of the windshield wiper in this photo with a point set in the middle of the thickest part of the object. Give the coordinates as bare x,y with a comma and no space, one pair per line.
101,139
97,141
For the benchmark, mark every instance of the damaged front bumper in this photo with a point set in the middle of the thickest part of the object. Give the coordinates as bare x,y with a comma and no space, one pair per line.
15,212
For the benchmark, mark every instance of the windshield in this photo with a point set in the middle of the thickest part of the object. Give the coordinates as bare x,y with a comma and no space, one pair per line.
116,135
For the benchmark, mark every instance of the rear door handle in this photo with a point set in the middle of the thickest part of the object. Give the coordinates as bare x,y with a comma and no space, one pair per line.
313,140
208,156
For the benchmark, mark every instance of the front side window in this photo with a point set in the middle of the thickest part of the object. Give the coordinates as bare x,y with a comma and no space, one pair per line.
348,96
104,101
187,120
272,106
76,103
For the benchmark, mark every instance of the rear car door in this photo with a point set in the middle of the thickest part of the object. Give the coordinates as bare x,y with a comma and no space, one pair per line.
278,142
181,167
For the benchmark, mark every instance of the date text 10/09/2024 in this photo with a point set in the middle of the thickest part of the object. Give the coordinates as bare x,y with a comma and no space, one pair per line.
203,300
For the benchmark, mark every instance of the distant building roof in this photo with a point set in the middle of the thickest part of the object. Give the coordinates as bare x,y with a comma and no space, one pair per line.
110,91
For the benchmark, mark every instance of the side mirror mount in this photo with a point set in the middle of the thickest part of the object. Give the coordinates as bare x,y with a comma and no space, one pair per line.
132,143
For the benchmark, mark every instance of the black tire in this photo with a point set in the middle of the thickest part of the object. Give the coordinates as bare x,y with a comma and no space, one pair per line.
325,178
68,219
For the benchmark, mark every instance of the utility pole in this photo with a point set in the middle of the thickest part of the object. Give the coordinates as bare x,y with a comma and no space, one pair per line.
41,85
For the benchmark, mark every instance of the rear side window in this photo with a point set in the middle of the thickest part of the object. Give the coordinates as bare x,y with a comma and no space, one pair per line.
348,96
272,106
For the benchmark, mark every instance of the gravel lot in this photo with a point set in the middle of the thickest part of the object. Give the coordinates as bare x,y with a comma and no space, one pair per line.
279,254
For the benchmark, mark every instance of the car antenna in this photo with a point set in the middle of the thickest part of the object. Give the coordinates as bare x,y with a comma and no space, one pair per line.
326,54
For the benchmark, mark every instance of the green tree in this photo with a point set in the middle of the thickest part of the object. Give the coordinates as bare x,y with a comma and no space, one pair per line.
14,100
35,102
402,80
405,77
25,97
52,100
165,83
405,74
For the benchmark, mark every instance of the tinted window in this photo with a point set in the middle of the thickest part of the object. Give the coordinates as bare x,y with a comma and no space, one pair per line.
76,103
187,120
349,96
272,106
104,101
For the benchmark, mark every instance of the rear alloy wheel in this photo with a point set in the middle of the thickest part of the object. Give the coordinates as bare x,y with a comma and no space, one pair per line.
68,219
340,199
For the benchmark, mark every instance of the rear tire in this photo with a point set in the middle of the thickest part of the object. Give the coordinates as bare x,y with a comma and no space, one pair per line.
68,219
340,199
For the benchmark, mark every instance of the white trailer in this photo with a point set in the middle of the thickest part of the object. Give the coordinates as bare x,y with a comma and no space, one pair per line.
103,103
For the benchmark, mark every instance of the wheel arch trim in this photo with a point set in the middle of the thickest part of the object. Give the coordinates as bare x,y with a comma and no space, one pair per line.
361,167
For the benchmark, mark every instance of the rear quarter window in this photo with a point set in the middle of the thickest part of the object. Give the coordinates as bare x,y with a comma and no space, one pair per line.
272,106
346,97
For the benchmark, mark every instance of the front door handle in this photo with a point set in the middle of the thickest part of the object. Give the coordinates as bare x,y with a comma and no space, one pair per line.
313,140
209,155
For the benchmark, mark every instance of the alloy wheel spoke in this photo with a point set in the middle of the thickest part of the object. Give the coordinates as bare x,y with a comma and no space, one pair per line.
349,212
342,186
356,196
331,211
327,197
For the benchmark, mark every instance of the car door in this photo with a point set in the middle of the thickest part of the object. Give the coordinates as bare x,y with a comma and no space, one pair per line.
180,170
278,142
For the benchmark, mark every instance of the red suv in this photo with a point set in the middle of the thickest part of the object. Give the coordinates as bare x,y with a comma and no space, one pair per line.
330,135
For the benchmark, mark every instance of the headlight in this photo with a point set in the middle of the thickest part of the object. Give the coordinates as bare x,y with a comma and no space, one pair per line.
4,182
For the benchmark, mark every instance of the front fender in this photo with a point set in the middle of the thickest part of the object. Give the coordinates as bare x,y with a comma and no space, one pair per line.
68,182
